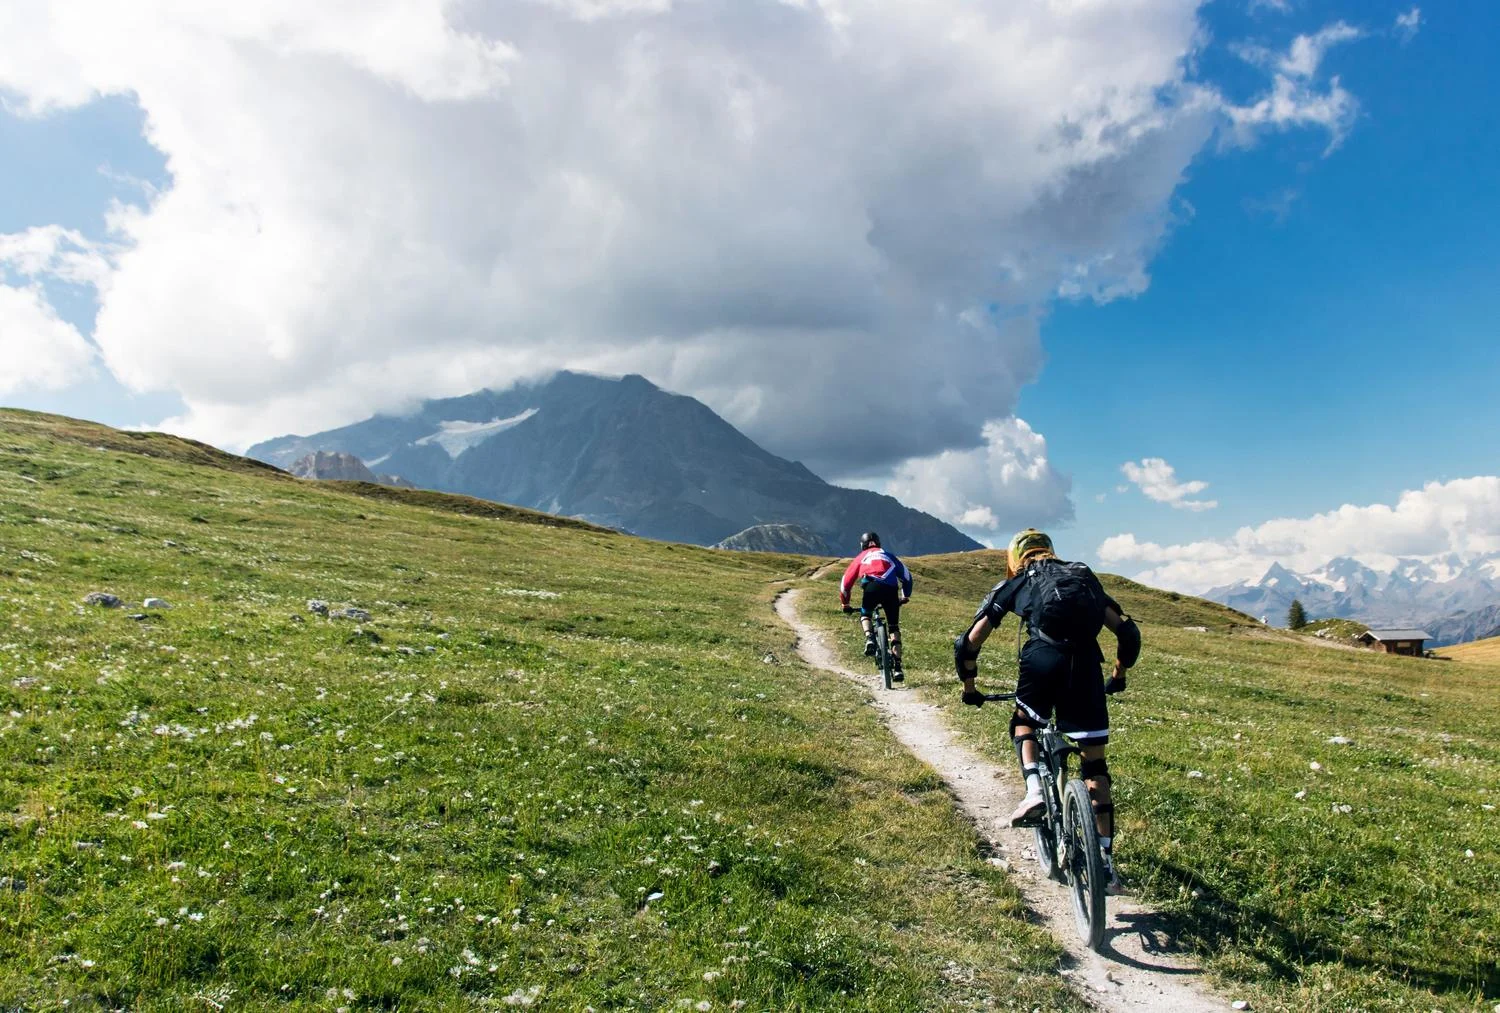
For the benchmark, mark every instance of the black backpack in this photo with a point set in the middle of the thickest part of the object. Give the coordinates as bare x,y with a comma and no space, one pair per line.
1066,606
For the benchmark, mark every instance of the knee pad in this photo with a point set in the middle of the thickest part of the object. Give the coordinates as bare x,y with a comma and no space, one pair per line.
1092,769
1020,717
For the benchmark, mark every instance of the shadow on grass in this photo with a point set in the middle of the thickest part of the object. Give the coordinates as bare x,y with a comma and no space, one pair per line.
1217,921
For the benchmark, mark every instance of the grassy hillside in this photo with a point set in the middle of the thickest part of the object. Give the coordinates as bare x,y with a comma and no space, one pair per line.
1482,651
556,767
1321,824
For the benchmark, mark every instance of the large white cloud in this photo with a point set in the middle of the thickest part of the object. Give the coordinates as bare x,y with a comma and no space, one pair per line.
991,491
763,202
1461,516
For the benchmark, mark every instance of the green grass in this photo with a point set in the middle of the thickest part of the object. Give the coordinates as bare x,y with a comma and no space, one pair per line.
1485,652
1350,886
556,768
1339,631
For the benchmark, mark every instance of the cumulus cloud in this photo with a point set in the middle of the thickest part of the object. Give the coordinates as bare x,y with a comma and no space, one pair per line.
1157,480
992,490
38,350
1461,516
1295,99
1408,24
372,201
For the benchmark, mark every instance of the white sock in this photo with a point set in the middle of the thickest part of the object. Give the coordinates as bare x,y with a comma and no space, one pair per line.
1033,782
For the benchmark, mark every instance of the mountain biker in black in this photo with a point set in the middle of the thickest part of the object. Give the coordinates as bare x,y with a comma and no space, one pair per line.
1062,607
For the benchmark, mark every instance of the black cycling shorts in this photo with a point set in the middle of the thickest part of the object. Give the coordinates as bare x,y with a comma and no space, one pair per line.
1066,681
888,598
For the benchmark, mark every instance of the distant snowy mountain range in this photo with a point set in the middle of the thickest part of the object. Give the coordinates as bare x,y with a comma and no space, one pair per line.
1454,598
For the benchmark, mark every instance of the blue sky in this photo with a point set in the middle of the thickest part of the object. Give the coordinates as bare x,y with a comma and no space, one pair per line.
1317,329
1341,349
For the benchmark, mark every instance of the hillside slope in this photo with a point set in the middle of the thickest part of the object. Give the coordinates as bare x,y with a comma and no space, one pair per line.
621,453
1485,651
1320,825
518,761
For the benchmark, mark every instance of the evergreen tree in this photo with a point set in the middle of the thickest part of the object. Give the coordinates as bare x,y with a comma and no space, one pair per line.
1296,616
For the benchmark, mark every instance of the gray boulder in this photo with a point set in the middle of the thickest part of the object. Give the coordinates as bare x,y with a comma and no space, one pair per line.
103,599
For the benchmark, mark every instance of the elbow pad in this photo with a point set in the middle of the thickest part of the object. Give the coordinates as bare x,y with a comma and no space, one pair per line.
963,652
1129,636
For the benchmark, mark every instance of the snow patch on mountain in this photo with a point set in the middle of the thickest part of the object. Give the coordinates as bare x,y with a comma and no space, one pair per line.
457,436
1449,592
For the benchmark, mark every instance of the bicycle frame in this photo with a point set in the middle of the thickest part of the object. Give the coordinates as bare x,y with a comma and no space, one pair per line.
880,630
1053,750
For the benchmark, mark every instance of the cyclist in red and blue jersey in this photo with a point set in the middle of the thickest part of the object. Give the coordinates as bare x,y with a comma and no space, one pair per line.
886,582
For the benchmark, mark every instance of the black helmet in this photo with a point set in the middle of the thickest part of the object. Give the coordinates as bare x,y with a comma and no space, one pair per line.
868,539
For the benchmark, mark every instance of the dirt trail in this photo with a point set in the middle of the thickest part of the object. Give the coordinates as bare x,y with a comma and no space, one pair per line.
1139,967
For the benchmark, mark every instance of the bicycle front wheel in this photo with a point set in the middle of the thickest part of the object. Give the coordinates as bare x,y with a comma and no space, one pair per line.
883,651
1084,863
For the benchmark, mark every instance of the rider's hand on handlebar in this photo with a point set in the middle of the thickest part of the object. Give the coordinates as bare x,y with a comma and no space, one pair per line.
973,698
848,609
1116,683
905,600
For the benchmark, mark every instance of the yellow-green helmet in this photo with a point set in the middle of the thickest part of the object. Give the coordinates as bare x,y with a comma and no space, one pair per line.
1024,544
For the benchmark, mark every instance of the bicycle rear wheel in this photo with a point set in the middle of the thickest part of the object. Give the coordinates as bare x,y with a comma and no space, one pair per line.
883,650
1085,863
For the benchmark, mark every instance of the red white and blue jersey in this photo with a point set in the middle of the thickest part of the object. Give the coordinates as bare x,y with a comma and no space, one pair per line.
875,565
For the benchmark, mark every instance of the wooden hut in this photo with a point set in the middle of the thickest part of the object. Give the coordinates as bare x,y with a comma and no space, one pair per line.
1407,642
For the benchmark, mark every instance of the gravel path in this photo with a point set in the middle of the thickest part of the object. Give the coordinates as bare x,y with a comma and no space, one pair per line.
1139,967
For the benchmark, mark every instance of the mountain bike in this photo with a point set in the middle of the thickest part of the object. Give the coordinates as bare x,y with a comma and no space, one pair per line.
884,663
1067,838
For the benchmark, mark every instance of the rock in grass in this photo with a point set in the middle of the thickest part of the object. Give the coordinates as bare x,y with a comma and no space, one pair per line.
103,599
155,603
317,605
358,615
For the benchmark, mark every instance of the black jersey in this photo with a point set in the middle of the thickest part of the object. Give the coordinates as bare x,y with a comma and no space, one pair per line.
1019,595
